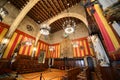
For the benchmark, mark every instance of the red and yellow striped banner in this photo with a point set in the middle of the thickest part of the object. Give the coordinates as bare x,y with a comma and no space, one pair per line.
26,49
106,26
83,49
16,38
3,31
38,49
56,52
41,47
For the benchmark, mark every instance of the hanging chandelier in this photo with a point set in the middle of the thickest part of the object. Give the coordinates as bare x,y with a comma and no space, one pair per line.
45,29
69,26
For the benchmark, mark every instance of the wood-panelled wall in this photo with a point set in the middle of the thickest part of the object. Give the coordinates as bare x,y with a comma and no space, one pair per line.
67,63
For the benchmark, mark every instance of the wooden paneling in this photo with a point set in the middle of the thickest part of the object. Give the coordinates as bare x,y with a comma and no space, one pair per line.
25,64
107,71
67,63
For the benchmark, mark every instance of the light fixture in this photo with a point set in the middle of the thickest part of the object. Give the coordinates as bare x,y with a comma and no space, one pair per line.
27,42
34,49
69,26
5,40
75,44
45,29
3,13
51,48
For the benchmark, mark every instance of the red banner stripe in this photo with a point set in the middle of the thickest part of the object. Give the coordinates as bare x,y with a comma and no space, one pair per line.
47,51
108,42
23,51
38,49
57,50
88,48
1,29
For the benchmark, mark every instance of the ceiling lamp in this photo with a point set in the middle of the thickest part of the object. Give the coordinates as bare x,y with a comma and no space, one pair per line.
45,29
69,26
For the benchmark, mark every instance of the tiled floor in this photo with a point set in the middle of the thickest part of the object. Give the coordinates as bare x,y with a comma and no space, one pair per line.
53,74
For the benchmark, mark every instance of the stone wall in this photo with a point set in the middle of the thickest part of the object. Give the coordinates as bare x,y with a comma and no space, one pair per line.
80,32
13,13
81,29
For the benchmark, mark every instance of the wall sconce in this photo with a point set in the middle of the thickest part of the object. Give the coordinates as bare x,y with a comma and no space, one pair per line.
51,48
5,41
75,44
27,42
34,49
3,13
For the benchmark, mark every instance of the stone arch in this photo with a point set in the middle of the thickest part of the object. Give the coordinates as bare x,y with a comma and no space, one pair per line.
76,11
76,15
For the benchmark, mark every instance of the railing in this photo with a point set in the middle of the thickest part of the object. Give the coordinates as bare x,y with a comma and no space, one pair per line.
43,78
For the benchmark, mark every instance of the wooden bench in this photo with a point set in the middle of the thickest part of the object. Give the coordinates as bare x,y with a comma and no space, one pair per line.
71,74
25,64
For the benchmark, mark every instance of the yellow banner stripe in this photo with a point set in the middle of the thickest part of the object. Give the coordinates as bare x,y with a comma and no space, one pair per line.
107,27
21,48
9,45
41,46
91,51
2,34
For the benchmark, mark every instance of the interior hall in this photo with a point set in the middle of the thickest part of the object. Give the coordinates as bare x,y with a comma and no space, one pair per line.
59,39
